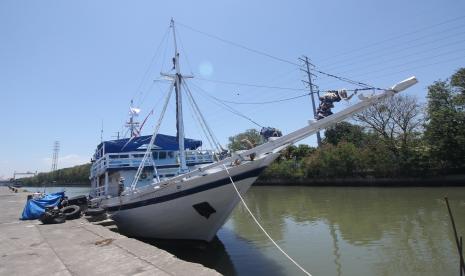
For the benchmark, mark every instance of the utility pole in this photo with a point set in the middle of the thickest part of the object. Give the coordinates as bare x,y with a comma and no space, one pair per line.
312,93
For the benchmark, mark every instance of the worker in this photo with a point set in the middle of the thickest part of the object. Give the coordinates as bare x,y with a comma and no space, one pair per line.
327,102
267,132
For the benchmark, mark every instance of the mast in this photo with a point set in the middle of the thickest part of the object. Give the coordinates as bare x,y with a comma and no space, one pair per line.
179,117
132,124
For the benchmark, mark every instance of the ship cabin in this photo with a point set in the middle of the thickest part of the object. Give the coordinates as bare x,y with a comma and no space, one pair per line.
115,162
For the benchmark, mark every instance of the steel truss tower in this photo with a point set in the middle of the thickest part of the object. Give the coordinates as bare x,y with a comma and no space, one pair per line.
56,149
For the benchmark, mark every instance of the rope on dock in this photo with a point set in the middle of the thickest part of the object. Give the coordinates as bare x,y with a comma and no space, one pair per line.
261,227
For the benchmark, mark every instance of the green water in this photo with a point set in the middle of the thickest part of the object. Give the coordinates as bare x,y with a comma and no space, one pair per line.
338,231
334,231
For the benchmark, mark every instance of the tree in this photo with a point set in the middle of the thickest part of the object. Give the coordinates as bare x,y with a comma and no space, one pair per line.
458,80
71,176
342,160
245,140
445,132
398,122
344,132
297,152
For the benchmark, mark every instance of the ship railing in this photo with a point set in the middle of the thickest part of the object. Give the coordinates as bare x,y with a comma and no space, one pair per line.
161,158
199,156
98,191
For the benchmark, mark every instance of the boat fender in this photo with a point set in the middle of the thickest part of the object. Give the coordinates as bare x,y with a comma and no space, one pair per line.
95,211
52,216
71,212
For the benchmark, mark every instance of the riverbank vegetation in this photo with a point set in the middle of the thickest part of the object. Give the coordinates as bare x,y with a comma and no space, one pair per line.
397,138
74,176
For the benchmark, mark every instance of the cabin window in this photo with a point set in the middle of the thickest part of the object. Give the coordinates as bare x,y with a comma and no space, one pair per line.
138,155
124,156
162,155
170,154
114,157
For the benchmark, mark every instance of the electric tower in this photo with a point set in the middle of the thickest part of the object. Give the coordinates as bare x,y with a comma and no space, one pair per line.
56,149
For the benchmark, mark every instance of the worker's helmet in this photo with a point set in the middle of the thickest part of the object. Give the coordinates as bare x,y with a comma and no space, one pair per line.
342,93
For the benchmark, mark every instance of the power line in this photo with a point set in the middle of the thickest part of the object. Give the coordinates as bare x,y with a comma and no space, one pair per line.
251,85
229,108
394,48
412,61
395,37
266,102
404,56
251,94
419,66
410,68
344,79
238,45
271,56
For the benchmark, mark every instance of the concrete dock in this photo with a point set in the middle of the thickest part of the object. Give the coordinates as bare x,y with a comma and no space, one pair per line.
77,247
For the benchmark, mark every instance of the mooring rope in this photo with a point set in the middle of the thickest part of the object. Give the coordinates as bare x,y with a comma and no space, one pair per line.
261,227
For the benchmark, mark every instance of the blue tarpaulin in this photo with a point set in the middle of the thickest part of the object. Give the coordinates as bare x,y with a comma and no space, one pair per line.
36,207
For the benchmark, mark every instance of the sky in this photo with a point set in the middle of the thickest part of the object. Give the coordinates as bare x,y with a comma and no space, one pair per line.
69,69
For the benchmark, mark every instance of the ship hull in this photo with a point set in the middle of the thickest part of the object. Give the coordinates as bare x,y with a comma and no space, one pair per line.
194,210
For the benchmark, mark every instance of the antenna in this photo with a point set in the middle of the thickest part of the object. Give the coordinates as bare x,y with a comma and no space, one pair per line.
56,149
116,136
101,133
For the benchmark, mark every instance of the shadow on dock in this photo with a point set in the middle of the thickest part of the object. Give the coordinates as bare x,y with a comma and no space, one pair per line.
246,259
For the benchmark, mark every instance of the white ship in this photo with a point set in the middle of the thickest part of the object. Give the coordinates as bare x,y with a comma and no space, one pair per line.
163,187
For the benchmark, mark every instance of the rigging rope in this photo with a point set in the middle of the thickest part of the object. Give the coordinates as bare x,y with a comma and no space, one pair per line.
230,109
148,152
203,124
344,79
200,124
144,77
260,226
215,140
268,102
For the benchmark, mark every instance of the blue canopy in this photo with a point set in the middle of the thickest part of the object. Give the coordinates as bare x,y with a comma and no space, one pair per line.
162,142
36,207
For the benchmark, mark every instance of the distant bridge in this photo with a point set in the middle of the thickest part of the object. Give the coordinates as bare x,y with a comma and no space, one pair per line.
23,174
5,183
17,176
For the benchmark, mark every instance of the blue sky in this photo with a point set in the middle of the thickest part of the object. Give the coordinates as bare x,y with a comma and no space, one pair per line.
68,66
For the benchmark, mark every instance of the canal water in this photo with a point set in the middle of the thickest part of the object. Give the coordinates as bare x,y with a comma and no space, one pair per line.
336,231
69,191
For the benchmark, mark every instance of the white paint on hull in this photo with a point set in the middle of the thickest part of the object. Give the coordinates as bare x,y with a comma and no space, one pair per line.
176,218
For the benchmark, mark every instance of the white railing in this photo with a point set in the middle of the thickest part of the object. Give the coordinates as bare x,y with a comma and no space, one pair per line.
162,158
98,191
